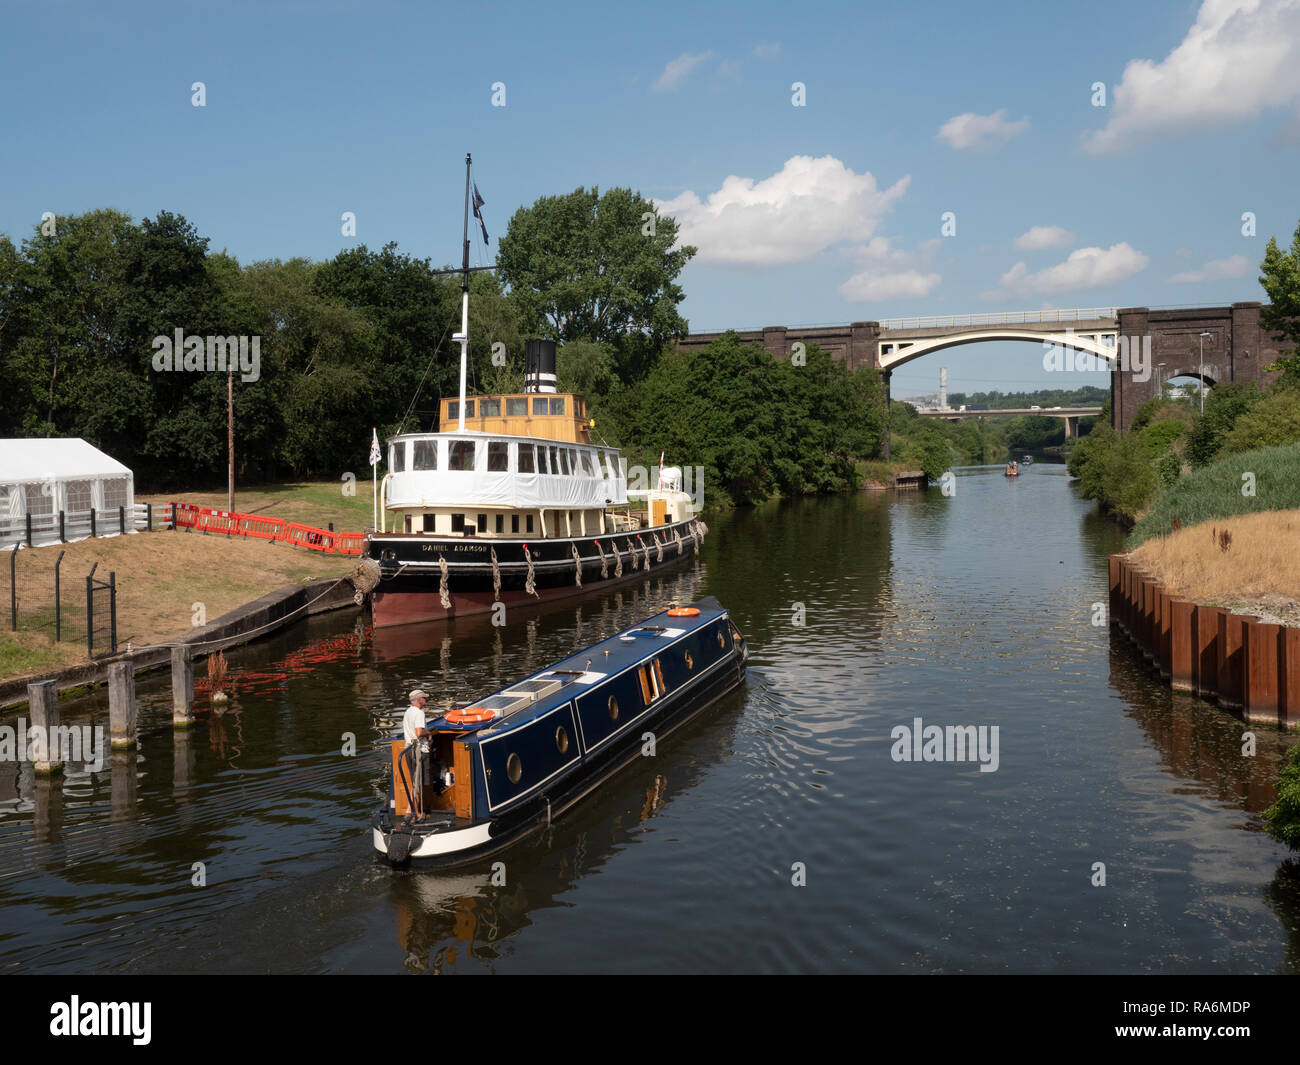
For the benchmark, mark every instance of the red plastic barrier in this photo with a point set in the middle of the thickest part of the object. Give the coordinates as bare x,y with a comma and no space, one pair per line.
349,543
227,523
263,528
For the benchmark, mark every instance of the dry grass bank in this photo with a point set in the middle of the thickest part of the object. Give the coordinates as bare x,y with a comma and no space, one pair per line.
1258,571
161,576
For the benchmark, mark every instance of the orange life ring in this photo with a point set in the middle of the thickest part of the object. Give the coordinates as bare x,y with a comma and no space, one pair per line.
683,612
470,715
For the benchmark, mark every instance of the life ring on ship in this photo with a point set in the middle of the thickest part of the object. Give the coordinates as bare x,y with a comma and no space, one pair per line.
683,612
470,715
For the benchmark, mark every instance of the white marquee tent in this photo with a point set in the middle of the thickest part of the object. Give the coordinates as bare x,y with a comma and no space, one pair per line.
42,477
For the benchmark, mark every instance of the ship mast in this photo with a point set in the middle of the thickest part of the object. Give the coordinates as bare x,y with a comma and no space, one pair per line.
463,335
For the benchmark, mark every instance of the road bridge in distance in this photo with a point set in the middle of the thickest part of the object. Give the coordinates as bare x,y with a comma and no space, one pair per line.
1070,415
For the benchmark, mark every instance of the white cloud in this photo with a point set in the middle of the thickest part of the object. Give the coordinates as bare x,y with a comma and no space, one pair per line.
1036,238
907,284
980,131
806,207
679,69
1240,57
1085,268
1216,270
888,274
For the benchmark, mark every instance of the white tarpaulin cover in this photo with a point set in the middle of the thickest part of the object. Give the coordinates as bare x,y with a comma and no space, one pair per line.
44,476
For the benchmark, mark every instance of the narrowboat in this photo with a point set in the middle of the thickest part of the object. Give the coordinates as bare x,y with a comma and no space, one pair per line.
509,764
510,501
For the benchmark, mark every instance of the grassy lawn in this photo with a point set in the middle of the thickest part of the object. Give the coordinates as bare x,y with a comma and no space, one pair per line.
315,503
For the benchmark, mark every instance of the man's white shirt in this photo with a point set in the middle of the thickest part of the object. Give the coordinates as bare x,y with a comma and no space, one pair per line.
413,719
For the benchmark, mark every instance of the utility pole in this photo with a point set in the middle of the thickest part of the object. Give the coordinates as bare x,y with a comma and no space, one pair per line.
230,438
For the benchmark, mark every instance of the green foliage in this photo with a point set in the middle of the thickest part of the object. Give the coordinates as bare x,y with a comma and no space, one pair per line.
1224,404
1280,277
1116,470
1216,491
584,267
1282,819
1030,433
1169,467
758,426
1086,396
1159,437
1274,420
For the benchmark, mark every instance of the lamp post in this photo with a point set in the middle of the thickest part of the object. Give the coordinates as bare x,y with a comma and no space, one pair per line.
1202,342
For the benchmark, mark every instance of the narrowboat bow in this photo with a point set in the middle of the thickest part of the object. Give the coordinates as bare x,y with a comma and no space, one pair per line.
509,764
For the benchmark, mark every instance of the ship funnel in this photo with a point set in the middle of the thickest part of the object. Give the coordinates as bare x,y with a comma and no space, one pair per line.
539,366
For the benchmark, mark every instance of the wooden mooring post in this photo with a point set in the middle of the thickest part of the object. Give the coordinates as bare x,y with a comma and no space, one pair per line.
182,687
43,708
121,706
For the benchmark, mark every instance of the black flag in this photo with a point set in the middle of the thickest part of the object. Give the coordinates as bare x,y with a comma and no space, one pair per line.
479,202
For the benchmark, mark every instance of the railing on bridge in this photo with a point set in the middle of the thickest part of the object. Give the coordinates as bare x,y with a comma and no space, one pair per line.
944,321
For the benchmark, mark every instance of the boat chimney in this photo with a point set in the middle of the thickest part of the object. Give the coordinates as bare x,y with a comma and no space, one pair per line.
539,366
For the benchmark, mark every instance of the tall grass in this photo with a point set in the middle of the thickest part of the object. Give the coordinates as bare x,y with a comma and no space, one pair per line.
1220,489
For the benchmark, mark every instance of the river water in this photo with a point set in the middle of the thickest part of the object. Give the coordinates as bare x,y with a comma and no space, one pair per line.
777,833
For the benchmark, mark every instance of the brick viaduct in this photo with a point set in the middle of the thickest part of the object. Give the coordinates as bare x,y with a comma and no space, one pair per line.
1235,349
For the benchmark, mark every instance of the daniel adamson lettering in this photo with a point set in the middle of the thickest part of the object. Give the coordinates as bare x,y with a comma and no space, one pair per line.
102,1018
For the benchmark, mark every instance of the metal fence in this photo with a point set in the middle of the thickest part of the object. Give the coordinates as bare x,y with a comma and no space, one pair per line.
40,594
36,530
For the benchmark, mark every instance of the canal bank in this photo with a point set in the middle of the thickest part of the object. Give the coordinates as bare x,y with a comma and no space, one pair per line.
264,616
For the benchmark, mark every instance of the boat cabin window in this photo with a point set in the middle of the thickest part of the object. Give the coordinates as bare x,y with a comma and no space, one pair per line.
514,523
526,458
530,523
461,455
501,520
542,467
424,454
587,468
453,409
408,523
490,408
482,523
498,456
557,404
458,523
516,406
564,461
539,405
428,523
397,458
605,467
555,460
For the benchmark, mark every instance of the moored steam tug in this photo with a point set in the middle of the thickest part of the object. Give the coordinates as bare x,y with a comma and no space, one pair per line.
516,504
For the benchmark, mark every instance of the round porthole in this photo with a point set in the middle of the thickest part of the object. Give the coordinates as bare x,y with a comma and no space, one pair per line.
514,768
561,739
690,662
613,708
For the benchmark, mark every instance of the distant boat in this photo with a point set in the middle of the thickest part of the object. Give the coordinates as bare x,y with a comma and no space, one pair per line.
511,763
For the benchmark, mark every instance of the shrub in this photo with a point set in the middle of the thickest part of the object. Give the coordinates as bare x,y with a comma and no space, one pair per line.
1282,819
1274,420
1223,406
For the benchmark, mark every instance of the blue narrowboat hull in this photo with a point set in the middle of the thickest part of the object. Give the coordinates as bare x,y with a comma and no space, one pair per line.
531,766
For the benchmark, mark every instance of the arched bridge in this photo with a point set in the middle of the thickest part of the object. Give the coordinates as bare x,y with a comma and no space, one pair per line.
1144,347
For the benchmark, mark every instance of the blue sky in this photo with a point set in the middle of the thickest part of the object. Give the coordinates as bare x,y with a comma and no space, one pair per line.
827,212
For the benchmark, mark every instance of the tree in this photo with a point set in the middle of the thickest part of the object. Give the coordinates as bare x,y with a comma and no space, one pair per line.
1281,280
597,267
